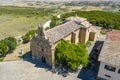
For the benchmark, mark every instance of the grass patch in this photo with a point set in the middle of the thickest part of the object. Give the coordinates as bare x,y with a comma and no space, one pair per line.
1,59
88,43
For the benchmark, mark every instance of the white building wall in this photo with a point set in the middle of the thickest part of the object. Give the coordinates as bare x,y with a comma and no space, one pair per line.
102,72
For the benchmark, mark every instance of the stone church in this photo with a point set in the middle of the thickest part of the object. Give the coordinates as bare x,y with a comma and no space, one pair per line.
73,29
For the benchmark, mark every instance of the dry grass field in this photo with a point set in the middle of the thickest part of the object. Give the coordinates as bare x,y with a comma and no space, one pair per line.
76,7
18,25
15,21
85,8
91,8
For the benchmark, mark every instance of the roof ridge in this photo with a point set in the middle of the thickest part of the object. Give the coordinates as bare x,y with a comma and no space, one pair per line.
60,25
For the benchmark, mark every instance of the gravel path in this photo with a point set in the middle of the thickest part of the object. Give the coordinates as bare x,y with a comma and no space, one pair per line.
23,70
15,54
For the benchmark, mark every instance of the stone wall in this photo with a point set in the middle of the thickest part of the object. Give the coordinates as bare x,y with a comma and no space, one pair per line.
82,35
77,32
92,36
41,49
68,37
87,34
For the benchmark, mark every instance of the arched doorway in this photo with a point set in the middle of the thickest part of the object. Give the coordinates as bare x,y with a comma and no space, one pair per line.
43,59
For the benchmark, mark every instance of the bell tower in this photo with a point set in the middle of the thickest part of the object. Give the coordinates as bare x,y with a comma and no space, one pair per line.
41,31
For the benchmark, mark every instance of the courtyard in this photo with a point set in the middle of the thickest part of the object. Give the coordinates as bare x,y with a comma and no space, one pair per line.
25,70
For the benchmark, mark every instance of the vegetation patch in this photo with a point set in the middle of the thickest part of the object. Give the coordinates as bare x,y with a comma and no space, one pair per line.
7,45
1,59
99,18
30,34
15,21
71,55
88,43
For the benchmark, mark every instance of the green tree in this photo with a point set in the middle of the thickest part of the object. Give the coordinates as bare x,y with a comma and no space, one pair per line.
10,42
71,55
98,18
3,48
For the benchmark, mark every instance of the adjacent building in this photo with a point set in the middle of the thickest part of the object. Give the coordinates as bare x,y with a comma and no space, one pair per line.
110,57
73,29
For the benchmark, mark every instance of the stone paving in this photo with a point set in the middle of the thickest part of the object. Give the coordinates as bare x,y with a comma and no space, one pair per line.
23,70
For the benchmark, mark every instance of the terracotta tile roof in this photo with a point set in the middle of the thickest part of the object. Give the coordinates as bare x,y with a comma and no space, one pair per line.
114,35
59,32
110,52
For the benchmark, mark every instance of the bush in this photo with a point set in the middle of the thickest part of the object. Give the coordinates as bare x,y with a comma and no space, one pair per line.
31,33
7,45
3,48
88,43
10,42
26,39
1,59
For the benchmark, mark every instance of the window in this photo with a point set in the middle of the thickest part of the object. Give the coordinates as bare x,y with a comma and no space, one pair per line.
119,71
42,50
107,76
110,68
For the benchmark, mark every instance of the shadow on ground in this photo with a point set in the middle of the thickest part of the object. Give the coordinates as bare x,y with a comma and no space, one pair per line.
38,63
90,73
60,70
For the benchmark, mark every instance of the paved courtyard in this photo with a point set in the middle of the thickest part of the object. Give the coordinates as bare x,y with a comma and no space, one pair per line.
24,70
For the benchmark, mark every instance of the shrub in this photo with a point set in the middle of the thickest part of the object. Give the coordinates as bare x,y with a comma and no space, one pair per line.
1,59
26,39
31,33
3,48
10,42
88,43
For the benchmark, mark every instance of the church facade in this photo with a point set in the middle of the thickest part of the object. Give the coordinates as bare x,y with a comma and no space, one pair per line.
74,29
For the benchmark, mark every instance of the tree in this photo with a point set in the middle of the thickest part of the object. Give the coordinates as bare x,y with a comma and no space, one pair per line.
3,48
71,55
10,42
98,18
